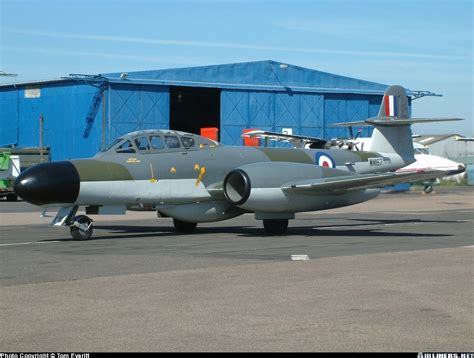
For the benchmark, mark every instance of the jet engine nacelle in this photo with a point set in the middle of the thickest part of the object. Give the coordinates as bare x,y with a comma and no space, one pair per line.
257,187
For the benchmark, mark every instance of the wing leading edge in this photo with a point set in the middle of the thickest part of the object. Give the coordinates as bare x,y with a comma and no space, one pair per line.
390,121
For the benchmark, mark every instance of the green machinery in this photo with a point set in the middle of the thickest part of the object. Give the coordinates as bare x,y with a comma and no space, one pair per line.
8,172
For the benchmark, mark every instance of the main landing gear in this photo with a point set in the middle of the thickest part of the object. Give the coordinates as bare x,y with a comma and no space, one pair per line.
275,226
275,223
183,227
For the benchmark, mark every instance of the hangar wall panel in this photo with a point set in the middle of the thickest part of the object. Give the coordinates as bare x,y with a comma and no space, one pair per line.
312,115
357,109
303,113
261,108
306,113
287,111
346,108
135,107
8,118
334,112
64,107
234,116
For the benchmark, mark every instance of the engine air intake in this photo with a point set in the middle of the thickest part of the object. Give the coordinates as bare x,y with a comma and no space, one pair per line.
237,187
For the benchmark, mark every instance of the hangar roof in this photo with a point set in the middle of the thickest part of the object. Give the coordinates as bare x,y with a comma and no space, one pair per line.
259,75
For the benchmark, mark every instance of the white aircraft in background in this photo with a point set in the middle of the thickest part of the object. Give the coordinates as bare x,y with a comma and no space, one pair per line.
424,160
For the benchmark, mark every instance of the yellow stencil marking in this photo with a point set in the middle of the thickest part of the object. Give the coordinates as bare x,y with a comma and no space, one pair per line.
152,179
133,160
173,170
201,174
196,167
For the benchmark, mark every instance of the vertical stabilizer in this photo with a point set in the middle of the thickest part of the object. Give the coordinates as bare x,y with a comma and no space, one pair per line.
393,137
392,127
394,104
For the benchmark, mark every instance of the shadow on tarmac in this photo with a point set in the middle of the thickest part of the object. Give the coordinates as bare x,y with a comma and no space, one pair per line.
132,231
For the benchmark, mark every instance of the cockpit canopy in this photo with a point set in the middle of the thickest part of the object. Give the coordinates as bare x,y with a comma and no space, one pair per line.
420,148
155,141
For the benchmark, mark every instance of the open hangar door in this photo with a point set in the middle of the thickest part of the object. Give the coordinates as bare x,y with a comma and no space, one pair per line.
193,108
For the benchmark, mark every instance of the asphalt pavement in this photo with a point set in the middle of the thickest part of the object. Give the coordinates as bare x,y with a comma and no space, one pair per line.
391,274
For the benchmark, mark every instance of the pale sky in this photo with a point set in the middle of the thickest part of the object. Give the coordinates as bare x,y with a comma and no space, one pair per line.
419,44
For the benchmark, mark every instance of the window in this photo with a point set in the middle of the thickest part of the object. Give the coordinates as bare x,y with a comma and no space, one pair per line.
142,143
188,142
172,141
126,147
111,145
156,142
421,150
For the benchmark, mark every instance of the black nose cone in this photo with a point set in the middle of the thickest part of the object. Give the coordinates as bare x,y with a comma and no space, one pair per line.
48,183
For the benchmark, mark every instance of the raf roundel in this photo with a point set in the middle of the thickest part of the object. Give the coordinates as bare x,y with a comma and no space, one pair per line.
325,160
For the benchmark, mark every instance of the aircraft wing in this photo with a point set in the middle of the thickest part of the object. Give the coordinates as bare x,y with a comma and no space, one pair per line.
359,181
387,121
298,141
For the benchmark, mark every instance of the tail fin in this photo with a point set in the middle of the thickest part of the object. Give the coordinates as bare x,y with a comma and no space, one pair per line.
392,127
394,138
394,103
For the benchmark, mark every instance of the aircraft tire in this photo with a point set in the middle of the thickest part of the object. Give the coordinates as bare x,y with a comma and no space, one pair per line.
428,189
79,234
275,226
183,227
12,197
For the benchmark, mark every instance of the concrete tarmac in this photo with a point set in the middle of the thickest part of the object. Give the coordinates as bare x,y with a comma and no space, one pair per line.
391,274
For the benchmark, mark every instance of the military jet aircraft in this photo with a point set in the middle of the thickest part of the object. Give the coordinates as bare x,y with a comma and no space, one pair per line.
193,179
297,141
301,141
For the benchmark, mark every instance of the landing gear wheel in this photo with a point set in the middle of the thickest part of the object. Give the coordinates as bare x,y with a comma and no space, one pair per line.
12,197
183,227
275,226
428,189
82,228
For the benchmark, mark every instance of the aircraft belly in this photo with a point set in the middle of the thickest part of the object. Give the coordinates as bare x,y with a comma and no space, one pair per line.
141,192
209,211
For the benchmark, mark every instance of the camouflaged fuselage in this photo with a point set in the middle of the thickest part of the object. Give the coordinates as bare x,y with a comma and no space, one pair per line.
218,161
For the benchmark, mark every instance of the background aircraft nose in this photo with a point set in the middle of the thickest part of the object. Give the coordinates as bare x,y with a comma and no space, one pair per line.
48,183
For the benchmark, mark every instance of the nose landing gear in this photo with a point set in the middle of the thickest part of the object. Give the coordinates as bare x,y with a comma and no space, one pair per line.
81,228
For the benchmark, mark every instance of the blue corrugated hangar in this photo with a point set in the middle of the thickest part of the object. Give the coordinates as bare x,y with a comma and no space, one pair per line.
82,113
